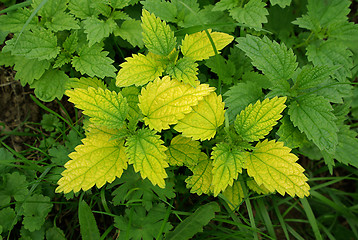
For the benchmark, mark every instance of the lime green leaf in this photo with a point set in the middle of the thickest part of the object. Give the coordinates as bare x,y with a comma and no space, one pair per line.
281,3
145,151
82,8
36,208
225,5
131,31
86,82
71,42
205,118
120,3
165,101
184,70
234,195
166,11
98,29
97,161
138,70
14,21
313,116
40,44
88,225
131,94
105,108
272,164
256,188
253,14
62,21
157,35
28,70
62,59
290,135
51,85
227,163
200,181
183,151
276,61
197,46
94,62
310,77
50,8
256,121
347,148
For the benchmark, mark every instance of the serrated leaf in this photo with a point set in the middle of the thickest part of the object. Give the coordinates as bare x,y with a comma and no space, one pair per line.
50,8
347,148
281,3
256,121
82,8
7,216
234,195
225,69
14,21
145,151
61,60
272,164
256,188
345,31
138,70
88,225
253,14
14,186
183,151
55,233
310,77
105,108
71,42
97,161
94,62
225,5
185,70
120,3
131,94
200,181
97,29
85,83
290,135
28,70
166,11
62,21
165,101
36,208
227,164
157,35
276,61
313,116
198,46
51,85
131,31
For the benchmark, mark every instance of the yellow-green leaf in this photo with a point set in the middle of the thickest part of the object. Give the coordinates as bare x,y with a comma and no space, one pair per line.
255,187
227,164
97,161
131,94
234,195
85,82
205,118
165,101
272,165
183,151
145,151
157,35
198,46
184,70
200,181
256,121
105,108
138,70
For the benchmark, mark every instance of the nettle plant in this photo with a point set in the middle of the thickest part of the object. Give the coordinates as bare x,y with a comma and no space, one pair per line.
127,126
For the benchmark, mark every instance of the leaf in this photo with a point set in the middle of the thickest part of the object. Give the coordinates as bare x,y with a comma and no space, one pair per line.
14,21
281,3
194,223
145,151
131,94
272,164
88,225
97,161
94,62
310,77
40,44
345,31
198,46
131,31
166,11
157,35
234,195
165,101
205,118
105,108
86,82
227,163
82,8
185,70
7,216
313,116
35,209
98,29
138,70
55,233
241,95
13,186
49,9
347,148
253,14
290,135
225,69
6,157
225,5
51,85
183,151
256,188
200,181
62,21
276,61
256,121
28,70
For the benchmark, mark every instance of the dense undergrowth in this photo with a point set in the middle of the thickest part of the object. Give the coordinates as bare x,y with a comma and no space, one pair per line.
198,117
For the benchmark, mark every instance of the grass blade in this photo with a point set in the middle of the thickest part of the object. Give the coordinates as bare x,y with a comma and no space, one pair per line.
311,218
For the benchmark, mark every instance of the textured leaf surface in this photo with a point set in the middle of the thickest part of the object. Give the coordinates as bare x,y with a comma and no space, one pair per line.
197,46
36,209
86,82
97,29
281,3
205,118
14,21
88,225
145,151
103,106
313,116
62,21
138,70
256,188
28,70
82,8
131,94
97,161
227,163
290,135
234,195
313,76
272,164
184,70
165,101
157,35
183,151
347,148
252,14
131,31
256,121
200,181
276,61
